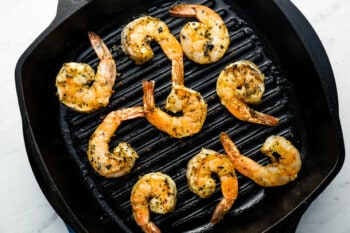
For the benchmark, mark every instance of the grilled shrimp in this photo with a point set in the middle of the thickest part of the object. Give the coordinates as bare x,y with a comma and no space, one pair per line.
79,88
241,83
280,172
181,99
199,170
205,41
136,39
154,192
121,160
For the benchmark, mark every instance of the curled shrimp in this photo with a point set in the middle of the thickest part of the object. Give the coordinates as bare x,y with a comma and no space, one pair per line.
280,172
121,160
136,39
79,88
205,41
199,170
180,99
154,192
241,83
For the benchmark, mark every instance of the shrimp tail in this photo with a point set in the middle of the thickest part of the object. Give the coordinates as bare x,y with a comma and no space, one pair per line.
241,110
100,48
221,210
132,113
148,97
183,10
177,72
262,118
230,148
150,227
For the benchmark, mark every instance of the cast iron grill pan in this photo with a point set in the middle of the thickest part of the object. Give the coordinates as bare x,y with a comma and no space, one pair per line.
158,151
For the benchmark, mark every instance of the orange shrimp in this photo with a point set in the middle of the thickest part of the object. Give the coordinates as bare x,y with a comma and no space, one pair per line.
154,192
199,170
205,41
122,159
136,38
189,102
280,172
79,88
241,83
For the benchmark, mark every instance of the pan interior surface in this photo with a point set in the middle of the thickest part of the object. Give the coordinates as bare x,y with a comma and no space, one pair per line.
158,151
256,208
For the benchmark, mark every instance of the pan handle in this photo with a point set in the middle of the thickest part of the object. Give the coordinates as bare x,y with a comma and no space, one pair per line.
66,8
315,49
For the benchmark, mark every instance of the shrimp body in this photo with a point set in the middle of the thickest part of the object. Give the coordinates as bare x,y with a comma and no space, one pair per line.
205,41
136,39
239,84
199,170
154,192
121,160
280,172
181,99
80,88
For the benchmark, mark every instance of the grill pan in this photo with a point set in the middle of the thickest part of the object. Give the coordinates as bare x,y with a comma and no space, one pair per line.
300,90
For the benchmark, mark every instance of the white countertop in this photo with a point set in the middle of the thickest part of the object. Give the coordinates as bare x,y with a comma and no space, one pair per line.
23,207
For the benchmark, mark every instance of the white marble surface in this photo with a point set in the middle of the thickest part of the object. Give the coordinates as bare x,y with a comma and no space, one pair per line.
23,208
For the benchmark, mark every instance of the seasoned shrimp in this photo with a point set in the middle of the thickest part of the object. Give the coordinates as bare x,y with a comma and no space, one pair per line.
205,41
241,83
154,192
199,170
136,39
78,86
122,159
181,99
280,172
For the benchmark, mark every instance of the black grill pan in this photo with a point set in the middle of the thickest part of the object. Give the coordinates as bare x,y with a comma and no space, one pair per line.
300,90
